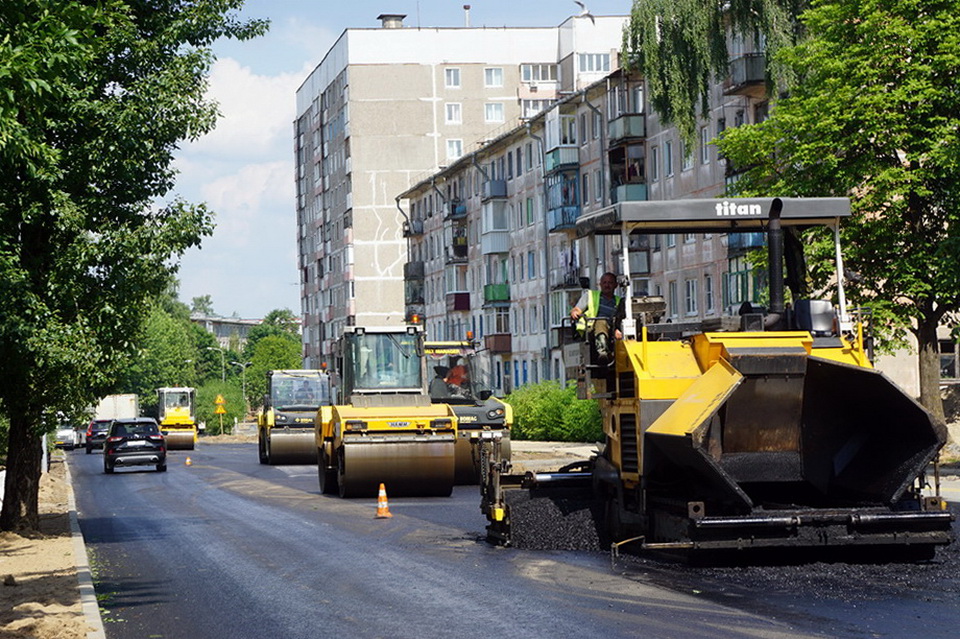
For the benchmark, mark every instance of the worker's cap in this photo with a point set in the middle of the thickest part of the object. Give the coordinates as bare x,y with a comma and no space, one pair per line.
441,370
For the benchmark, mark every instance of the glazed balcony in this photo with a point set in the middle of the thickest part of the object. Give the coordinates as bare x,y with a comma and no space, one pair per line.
496,293
562,218
629,193
564,157
458,301
456,210
627,127
498,343
494,189
413,228
413,270
748,76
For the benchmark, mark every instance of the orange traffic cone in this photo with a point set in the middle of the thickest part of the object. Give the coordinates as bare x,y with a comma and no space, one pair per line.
383,510
188,461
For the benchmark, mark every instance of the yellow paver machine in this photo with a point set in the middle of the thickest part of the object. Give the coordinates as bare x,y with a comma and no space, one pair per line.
766,430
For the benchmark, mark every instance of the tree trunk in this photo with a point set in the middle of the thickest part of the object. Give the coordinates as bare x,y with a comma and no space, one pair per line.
22,488
929,359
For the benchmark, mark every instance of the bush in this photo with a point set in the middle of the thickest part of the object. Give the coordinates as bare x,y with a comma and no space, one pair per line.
549,412
206,405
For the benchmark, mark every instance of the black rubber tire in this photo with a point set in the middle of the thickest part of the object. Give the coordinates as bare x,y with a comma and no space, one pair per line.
89,448
162,468
261,447
327,476
107,468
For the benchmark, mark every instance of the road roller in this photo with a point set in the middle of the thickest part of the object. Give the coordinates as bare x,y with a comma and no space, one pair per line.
461,380
175,408
285,423
765,434
383,427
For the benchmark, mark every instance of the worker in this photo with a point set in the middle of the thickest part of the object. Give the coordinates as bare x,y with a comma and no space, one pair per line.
438,385
304,393
457,380
604,307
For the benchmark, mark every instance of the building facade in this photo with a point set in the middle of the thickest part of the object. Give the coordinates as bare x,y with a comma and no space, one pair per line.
387,105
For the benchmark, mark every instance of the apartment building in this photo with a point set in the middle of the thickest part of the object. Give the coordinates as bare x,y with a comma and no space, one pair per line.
389,105
491,236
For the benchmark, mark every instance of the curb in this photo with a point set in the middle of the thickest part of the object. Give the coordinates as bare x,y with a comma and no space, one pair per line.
88,595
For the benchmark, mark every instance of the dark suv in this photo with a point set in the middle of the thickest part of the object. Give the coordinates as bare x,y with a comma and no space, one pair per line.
96,433
134,442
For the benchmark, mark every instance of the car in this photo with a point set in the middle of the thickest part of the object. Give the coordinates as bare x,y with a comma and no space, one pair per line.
96,433
136,441
65,438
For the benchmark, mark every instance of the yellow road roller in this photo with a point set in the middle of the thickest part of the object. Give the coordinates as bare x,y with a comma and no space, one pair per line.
461,380
175,408
285,423
382,427
740,435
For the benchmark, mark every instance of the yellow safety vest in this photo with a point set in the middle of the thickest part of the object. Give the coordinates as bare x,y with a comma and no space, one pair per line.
593,307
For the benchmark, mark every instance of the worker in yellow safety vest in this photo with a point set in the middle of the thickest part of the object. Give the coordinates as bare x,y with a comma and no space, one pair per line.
604,308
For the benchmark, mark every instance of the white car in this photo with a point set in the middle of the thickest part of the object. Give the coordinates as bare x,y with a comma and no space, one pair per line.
66,438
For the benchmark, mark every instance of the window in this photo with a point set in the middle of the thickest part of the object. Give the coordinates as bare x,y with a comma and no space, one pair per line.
509,165
708,298
519,162
451,78
671,240
538,73
690,296
454,149
668,158
686,161
672,299
583,128
597,123
704,145
531,265
493,112
493,77
655,164
529,108
586,189
590,62
454,113
529,211
529,156
596,180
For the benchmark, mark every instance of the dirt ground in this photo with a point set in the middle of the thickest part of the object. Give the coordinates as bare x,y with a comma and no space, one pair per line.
40,595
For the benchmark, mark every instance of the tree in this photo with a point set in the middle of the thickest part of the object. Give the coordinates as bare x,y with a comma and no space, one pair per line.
94,100
202,305
273,352
874,115
280,321
680,47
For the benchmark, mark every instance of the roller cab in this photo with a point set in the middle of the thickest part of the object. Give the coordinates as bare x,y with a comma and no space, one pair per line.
460,379
175,412
383,427
285,424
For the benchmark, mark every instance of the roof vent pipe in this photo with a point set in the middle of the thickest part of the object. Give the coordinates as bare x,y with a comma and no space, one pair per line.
466,15
391,20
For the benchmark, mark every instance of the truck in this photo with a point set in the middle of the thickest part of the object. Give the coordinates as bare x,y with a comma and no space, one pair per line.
460,382
285,422
382,427
746,435
177,417
117,407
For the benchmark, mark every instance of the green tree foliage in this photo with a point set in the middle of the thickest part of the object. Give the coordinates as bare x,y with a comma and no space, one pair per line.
876,115
549,412
279,321
202,305
680,47
167,357
273,352
95,98
233,403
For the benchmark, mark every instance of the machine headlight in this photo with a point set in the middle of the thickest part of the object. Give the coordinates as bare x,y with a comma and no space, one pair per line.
495,413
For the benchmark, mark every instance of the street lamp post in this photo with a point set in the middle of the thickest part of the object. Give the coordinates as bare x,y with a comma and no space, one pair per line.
223,364
243,381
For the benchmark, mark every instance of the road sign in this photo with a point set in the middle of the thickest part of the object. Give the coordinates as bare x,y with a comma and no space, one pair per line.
220,400
220,410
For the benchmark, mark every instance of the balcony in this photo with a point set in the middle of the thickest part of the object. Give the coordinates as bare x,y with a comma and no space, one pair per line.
496,293
627,127
629,193
458,301
562,218
413,270
456,210
498,343
493,189
413,228
456,254
563,157
748,76
492,242
563,279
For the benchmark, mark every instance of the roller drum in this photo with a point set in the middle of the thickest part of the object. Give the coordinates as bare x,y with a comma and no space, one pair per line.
407,467
292,446
180,439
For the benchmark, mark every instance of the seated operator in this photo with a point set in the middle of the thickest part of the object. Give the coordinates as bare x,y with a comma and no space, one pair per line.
605,308
438,385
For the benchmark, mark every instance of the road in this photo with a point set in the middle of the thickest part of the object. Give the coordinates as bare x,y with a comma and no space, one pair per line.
225,547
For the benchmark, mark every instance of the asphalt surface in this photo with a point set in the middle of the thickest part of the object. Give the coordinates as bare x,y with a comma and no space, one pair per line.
226,547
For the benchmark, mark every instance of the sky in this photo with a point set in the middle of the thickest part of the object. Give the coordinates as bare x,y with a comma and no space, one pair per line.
244,169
